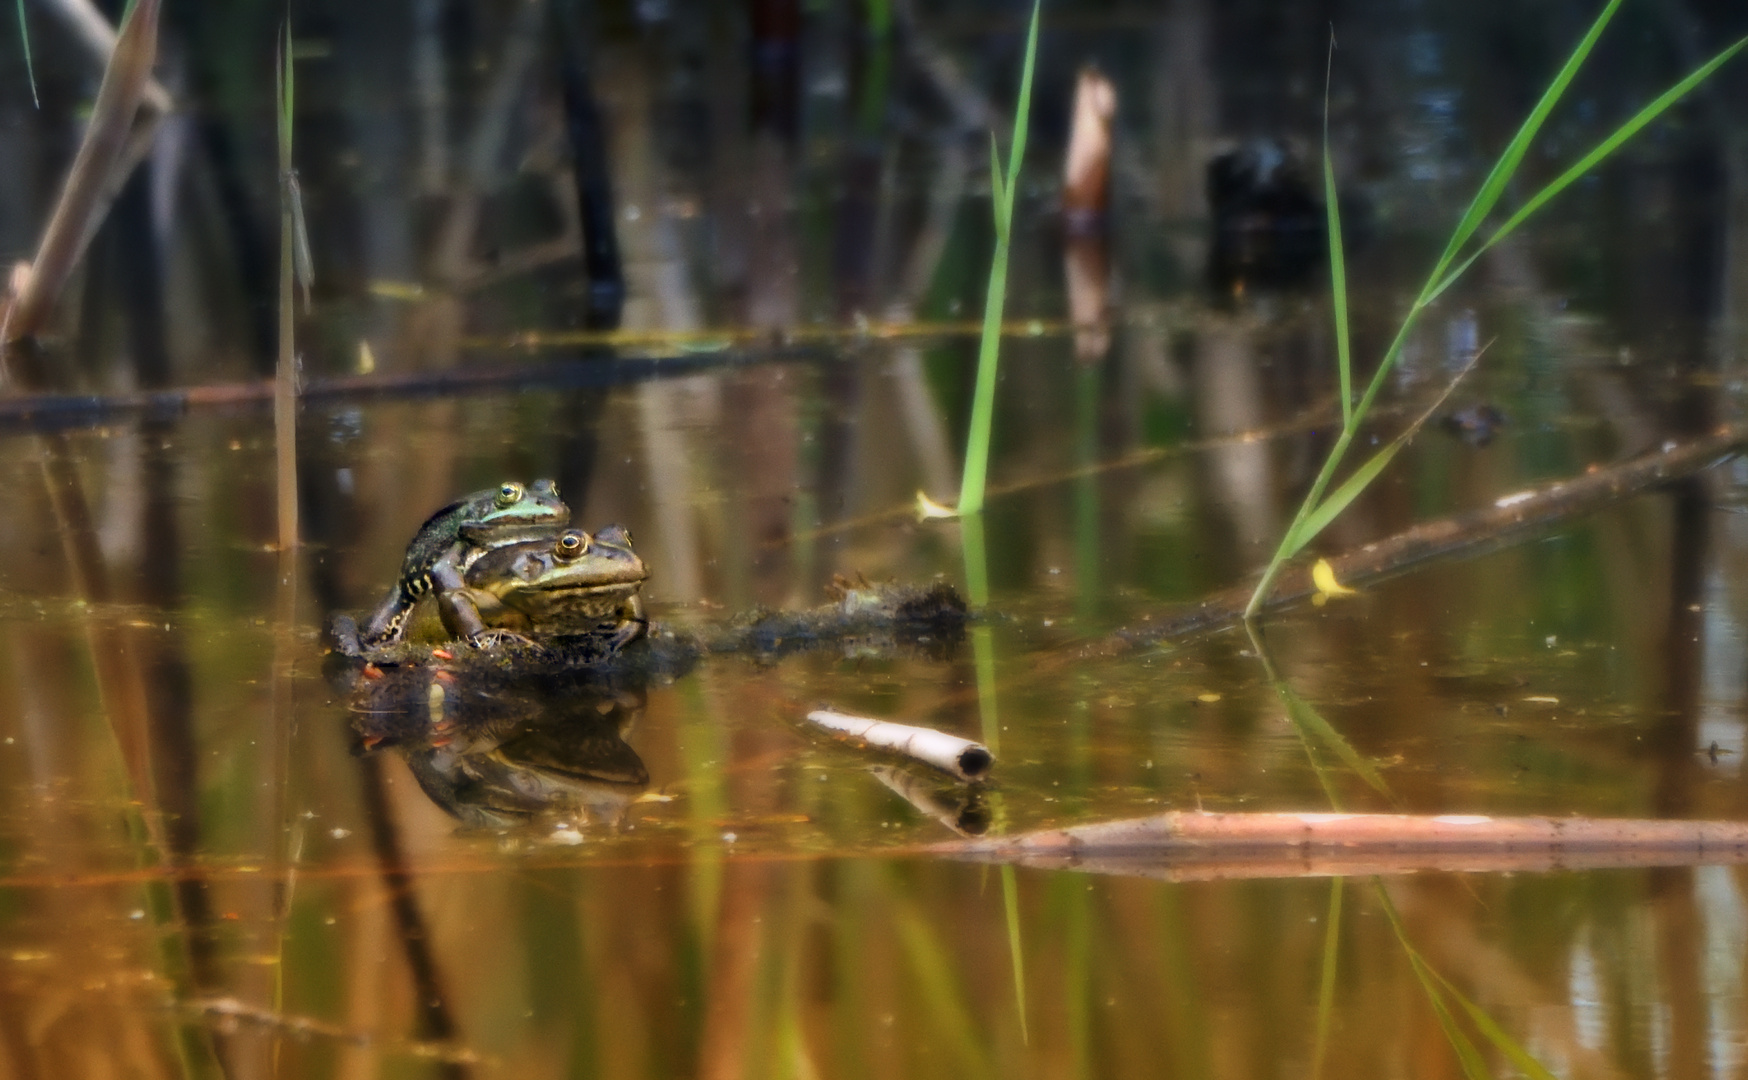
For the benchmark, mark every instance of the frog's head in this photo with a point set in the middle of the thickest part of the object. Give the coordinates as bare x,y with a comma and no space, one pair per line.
572,564
511,504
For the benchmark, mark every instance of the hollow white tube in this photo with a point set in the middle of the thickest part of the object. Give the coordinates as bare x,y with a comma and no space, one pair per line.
958,757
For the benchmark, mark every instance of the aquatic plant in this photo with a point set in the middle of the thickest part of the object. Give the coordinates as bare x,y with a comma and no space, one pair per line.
1317,510
292,267
29,64
1002,188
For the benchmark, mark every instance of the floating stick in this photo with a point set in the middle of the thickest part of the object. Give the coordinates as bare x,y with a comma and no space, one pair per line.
949,753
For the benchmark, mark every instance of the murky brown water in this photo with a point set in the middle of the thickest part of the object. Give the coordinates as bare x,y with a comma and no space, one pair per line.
223,853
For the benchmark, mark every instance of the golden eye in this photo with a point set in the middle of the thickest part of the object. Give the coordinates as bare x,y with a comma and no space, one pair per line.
510,494
572,544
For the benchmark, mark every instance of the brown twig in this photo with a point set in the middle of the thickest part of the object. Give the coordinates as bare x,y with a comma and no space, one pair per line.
62,411
1185,845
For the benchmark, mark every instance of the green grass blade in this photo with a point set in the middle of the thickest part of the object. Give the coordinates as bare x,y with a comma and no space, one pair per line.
1307,525
1488,195
1003,188
1510,1047
1010,902
940,994
29,65
1474,1067
1338,284
1589,161
1337,259
1309,725
997,192
983,398
1326,985
1022,114
1330,509
1307,719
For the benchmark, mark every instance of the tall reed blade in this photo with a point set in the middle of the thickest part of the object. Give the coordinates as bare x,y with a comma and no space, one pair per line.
1003,189
29,66
1314,511
1337,258
1488,194
1589,161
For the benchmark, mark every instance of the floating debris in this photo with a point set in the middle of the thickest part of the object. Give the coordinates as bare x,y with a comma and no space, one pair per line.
949,753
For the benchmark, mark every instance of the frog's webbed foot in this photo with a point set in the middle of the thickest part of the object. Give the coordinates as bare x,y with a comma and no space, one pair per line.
495,639
627,632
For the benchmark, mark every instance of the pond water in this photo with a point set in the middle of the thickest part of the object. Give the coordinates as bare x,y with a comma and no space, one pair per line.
225,851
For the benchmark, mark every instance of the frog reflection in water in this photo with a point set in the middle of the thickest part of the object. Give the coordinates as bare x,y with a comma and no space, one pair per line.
453,537
569,582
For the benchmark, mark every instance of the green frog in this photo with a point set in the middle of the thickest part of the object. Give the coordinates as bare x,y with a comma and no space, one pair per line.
567,582
454,536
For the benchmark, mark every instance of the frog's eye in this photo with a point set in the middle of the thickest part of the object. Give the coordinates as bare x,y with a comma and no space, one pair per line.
510,494
572,544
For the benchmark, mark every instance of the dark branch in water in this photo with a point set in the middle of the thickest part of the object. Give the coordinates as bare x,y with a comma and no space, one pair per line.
59,412
878,618
1507,520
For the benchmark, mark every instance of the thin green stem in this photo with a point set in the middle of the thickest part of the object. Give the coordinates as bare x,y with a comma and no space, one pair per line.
29,65
1004,188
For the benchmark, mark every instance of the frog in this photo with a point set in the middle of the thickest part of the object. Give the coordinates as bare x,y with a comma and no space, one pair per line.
454,536
568,582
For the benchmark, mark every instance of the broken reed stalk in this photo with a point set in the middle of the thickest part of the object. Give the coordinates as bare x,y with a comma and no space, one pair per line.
1086,181
1316,511
91,177
960,758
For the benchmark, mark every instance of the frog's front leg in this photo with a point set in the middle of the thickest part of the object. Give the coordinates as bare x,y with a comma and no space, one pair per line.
458,606
455,602
632,624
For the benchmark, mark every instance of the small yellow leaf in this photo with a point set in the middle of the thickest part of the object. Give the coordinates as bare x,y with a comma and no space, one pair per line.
1323,576
927,508
1208,698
